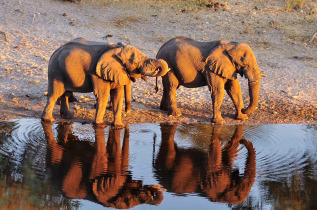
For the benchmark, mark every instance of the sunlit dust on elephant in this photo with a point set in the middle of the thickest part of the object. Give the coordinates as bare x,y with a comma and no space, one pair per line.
96,171
87,66
211,174
215,64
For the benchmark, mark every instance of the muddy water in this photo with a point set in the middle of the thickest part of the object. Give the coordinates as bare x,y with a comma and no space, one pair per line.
146,166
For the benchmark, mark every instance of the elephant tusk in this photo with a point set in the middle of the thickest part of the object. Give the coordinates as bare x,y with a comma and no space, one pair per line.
263,75
154,73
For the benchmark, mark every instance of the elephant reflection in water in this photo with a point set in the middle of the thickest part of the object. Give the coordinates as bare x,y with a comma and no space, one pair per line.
188,170
96,171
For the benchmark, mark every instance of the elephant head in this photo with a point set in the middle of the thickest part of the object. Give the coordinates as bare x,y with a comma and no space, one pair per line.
121,65
229,59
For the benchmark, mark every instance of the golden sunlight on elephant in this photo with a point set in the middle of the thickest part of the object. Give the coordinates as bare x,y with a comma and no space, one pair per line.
96,171
88,66
189,170
215,64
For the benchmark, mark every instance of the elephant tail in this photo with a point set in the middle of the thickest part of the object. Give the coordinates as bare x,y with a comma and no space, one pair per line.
156,87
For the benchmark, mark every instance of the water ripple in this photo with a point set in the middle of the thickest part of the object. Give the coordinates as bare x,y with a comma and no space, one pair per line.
281,150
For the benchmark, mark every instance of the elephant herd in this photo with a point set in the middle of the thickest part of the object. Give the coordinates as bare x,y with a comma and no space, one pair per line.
108,70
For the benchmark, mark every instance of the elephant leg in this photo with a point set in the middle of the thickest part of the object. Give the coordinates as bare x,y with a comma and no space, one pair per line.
112,94
71,98
72,183
55,90
167,153
110,104
216,85
231,149
117,99
233,89
164,103
127,95
101,92
55,150
168,102
215,159
125,149
64,109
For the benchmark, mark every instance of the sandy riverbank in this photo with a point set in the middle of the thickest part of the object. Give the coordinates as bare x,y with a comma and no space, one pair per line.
30,31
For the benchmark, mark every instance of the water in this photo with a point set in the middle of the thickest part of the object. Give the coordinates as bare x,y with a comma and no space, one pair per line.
152,166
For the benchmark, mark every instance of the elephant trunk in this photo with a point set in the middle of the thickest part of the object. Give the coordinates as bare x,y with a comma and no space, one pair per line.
238,193
254,87
155,68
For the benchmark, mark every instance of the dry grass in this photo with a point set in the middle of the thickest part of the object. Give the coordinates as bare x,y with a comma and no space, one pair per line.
124,21
294,4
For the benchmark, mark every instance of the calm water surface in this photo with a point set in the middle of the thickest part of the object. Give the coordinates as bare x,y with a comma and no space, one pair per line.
153,166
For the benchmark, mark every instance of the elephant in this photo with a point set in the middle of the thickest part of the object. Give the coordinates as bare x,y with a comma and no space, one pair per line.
88,66
215,64
96,171
209,174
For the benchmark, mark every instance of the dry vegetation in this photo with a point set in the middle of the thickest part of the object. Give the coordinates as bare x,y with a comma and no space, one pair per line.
279,32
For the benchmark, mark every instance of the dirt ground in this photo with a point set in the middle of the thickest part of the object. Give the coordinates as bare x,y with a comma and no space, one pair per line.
31,30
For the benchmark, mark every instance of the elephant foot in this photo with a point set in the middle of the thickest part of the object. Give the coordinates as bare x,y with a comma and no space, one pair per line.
246,111
218,121
128,110
241,116
46,123
47,119
164,108
174,112
67,115
117,125
100,125
126,113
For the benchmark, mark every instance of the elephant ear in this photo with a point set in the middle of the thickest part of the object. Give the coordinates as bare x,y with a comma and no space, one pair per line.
111,69
131,57
219,62
243,56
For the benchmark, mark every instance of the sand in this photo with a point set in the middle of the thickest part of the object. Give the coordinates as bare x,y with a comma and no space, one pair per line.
31,30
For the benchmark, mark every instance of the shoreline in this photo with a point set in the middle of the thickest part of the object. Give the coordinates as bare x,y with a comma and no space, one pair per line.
31,31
